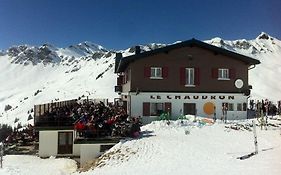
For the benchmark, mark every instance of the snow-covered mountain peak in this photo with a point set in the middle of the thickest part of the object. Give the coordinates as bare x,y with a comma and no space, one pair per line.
93,46
217,41
264,35
48,53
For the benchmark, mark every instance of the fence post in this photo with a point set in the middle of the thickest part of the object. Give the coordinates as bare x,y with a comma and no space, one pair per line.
1,154
255,137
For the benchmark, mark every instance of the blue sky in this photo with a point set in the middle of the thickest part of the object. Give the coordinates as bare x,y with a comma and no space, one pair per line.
118,24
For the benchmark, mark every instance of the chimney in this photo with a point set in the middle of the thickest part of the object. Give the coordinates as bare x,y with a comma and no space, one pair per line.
138,50
118,58
118,55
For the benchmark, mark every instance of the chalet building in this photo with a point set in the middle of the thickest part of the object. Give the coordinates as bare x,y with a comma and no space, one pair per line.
190,77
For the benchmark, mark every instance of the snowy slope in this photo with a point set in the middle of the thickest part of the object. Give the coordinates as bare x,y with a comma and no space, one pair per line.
70,73
167,149
209,149
34,75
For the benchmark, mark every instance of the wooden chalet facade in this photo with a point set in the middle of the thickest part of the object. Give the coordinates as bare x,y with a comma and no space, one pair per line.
190,77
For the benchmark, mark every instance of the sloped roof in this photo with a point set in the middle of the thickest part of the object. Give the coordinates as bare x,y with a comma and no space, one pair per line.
121,63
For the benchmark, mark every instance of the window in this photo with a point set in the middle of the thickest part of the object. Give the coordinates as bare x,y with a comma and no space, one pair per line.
230,106
189,76
65,142
156,72
156,109
239,106
223,74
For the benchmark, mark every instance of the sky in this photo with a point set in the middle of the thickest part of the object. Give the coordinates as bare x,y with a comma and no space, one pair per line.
119,24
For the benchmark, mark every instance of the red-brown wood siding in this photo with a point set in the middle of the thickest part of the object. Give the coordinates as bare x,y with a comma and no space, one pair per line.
232,73
146,109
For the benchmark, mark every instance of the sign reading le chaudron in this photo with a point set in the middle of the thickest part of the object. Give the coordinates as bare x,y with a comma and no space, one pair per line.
194,97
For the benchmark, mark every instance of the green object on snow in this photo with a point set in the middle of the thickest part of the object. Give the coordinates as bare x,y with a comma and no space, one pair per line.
181,117
164,116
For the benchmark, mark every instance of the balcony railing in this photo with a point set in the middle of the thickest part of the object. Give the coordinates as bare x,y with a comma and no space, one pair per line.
61,121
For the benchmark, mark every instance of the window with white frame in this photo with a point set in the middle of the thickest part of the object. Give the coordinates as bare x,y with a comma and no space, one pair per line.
189,76
155,72
156,109
223,74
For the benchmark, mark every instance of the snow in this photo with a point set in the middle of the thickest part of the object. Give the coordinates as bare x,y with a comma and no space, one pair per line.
32,165
168,149
211,150
19,84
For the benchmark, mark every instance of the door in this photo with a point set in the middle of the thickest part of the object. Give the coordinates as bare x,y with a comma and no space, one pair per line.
125,106
65,142
189,108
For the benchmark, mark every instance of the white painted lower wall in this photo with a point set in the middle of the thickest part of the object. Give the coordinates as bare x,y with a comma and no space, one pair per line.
48,143
89,152
48,146
177,104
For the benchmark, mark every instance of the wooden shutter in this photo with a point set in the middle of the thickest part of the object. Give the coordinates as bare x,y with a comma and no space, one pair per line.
232,73
182,76
147,72
165,72
215,73
120,80
197,76
168,108
146,109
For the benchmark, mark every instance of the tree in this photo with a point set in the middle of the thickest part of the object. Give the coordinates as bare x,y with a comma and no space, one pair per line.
5,131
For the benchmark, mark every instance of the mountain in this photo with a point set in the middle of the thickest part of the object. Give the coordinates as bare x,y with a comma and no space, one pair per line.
41,74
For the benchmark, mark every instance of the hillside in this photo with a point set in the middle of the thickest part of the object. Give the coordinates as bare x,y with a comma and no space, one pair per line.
34,75
179,148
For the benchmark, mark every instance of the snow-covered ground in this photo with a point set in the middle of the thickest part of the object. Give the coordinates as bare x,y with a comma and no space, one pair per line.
177,148
32,165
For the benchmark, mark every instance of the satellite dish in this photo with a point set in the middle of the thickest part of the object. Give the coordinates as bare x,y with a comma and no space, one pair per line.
239,83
